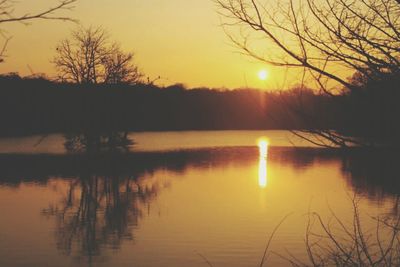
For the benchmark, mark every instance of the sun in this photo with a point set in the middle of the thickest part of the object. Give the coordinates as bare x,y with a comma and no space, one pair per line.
263,75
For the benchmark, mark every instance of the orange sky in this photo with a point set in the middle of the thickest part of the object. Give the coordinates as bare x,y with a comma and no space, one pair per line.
180,40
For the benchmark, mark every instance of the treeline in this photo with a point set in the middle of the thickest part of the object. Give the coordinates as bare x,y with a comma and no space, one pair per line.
35,105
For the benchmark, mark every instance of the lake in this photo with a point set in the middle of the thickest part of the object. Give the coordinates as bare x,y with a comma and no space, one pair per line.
182,199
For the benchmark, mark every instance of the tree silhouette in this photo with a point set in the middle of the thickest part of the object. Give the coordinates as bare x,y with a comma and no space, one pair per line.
118,68
89,57
322,37
359,35
7,15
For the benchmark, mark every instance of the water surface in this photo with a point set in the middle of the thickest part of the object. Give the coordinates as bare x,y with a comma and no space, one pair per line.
178,207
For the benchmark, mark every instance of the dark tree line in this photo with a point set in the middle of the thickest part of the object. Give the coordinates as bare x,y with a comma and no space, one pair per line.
36,105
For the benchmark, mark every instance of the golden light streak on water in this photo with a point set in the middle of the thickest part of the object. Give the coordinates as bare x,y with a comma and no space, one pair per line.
263,145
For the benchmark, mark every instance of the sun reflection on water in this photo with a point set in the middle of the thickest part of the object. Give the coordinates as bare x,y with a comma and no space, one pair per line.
263,145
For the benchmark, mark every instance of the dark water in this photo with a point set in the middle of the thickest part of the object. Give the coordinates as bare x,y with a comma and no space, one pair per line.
179,208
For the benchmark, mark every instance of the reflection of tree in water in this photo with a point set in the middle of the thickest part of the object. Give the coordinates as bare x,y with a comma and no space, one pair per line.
95,142
375,175
99,212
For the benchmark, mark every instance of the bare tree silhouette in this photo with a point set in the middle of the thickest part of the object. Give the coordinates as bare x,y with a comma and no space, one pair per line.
8,15
89,57
119,68
361,35
320,37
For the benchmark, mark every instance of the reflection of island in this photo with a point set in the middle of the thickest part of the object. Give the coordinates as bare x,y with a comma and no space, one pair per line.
98,212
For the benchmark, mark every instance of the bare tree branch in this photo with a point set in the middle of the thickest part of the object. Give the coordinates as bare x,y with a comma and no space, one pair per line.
89,57
7,15
360,37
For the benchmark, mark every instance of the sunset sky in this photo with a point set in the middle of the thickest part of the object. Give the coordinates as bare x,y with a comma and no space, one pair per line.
180,40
